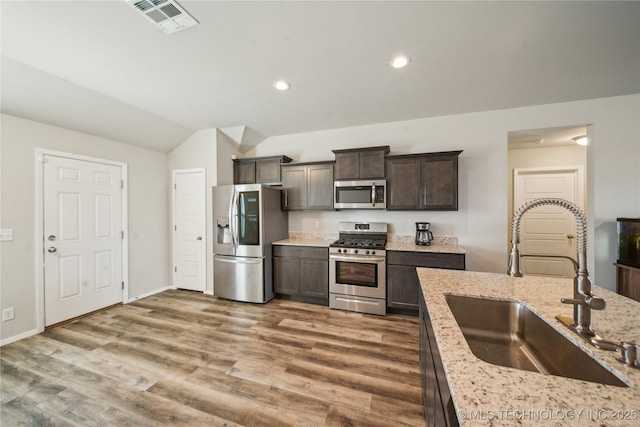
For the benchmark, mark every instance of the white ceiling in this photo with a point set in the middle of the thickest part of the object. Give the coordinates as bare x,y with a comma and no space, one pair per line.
545,138
101,68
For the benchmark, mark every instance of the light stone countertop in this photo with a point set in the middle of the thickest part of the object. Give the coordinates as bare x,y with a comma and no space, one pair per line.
486,394
319,242
394,242
434,247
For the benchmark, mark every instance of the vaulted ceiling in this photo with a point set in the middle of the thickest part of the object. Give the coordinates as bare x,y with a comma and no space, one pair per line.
101,68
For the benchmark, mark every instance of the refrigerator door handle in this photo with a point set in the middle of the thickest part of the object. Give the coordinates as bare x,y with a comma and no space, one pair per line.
238,260
231,223
236,225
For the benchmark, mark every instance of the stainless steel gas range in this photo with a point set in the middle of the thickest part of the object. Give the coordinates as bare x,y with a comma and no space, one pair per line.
357,268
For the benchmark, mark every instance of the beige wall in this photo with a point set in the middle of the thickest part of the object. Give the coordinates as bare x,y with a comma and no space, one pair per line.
148,212
210,150
481,223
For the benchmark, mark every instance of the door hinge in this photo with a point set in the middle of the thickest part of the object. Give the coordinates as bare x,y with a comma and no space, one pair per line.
175,269
175,228
175,186
123,284
122,183
122,234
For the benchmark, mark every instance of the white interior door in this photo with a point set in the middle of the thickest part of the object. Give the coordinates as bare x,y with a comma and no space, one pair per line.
189,238
547,230
83,243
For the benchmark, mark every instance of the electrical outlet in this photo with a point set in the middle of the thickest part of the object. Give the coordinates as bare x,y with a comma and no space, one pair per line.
8,314
6,234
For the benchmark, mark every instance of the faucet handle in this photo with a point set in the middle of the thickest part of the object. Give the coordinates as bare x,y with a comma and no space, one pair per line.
595,302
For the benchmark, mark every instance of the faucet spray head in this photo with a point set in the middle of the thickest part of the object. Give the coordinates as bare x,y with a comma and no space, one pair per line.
514,262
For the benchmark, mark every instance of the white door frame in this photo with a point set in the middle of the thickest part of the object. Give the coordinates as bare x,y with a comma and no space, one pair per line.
39,244
173,221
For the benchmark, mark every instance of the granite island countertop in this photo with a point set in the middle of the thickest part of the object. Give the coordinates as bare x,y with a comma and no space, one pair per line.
486,394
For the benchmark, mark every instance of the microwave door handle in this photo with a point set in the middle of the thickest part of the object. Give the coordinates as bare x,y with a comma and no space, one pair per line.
373,194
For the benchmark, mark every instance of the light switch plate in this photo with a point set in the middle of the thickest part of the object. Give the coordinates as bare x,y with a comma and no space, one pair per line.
6,234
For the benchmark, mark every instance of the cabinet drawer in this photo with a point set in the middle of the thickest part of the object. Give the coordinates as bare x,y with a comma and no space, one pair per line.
300,252
427,259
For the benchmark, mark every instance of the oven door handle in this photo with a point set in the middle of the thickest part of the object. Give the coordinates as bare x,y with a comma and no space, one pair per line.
357,258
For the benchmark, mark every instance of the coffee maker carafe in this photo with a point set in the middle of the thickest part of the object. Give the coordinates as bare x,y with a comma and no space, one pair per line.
423,235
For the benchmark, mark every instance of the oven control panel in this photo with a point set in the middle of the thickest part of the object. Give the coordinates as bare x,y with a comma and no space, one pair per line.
359,251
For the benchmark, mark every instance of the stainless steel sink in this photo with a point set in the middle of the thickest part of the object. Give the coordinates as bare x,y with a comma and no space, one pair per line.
507,333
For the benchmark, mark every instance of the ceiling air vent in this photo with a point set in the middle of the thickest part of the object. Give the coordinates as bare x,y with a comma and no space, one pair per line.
166,14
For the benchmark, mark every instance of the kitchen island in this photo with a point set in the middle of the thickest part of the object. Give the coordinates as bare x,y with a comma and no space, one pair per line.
486,394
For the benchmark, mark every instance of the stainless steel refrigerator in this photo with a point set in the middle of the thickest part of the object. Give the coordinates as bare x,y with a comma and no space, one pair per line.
246,219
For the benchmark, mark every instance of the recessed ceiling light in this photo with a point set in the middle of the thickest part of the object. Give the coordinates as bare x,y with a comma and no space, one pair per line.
282,85
399,61
581,140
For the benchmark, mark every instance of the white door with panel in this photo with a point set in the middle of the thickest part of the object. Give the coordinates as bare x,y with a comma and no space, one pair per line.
83,237
189,243
547,230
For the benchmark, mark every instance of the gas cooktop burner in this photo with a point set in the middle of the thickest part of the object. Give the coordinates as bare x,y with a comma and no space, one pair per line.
359,243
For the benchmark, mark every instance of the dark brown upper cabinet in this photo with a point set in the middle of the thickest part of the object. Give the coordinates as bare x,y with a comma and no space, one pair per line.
307,186
360,163
426,181
258,170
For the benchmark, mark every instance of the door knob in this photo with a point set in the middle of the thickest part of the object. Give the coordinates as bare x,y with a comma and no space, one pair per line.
52,238
51,250
199,238
569,236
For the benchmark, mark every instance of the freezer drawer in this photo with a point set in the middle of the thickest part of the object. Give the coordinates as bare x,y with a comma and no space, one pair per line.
241,279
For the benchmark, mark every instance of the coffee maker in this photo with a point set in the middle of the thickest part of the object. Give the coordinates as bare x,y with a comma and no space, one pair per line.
423,235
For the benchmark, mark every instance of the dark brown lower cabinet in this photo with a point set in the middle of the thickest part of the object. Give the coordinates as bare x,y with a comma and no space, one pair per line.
403,286
628,281
301,272
436,396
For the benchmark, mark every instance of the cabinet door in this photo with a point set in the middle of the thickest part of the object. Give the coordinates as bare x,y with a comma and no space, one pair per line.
315,278
286,276
439,183
402,287
294,183
372,164
403,176
347,166
267,171
320,189
244,172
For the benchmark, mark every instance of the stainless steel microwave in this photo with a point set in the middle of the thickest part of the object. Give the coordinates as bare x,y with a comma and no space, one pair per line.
362,194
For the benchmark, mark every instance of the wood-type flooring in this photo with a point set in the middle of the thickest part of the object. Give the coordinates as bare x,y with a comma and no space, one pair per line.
184,358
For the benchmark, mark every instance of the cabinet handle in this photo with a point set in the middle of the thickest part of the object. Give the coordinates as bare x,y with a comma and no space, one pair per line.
286,198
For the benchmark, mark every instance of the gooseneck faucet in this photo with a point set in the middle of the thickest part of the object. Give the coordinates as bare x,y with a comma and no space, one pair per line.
583,301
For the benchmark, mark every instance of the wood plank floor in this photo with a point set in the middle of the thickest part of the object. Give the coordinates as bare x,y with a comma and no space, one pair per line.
184,358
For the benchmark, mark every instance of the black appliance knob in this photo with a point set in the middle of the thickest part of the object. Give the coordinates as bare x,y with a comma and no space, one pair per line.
373,252
367,252
355,251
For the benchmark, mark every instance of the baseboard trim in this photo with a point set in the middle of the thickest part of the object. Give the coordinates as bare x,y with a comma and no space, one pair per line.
208,292
148,294
19,337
